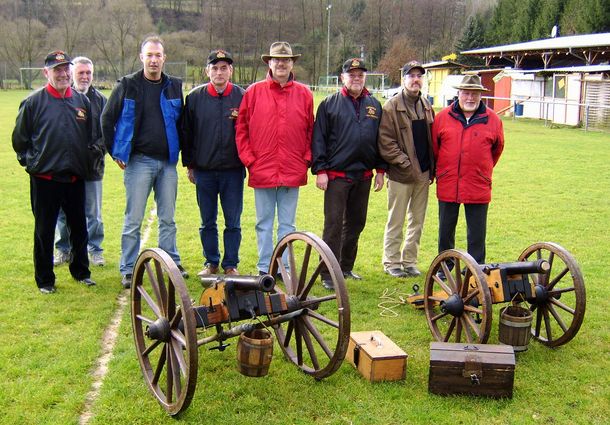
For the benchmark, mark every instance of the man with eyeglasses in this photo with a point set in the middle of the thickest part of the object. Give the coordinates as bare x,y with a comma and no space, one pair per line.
467,139
273,136
405,142
345,156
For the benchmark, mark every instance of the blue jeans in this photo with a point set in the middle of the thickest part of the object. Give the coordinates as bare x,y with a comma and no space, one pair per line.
266,201
142,175
95,226
229,185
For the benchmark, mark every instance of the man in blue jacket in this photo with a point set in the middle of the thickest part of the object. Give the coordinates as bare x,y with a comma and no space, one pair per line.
210,154
140,128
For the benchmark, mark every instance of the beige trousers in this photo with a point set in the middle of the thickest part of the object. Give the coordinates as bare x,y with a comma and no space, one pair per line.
402,199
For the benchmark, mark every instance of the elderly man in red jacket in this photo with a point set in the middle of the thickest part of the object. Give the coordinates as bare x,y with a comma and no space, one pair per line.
273,136
467,140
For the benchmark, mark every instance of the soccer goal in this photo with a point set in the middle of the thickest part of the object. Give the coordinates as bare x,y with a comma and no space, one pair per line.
31,78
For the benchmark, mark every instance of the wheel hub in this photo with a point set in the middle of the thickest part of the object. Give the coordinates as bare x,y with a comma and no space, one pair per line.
453,305
542,295
159,330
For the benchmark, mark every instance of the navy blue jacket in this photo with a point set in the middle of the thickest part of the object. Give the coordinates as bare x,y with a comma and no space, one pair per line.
208,128
123,114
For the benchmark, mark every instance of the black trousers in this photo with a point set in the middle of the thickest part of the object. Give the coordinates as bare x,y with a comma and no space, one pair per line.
345,207
47,197
476,227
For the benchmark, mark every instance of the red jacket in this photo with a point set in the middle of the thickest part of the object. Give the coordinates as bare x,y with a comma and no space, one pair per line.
466,153
273,133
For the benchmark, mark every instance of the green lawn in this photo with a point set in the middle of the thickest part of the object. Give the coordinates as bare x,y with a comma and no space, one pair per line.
550,185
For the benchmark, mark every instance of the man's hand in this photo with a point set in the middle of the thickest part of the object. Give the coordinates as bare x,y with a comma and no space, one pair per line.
378,182
322,181
190,173
120,163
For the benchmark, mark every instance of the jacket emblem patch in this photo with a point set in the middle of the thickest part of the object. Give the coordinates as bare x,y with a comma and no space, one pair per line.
371,112
81,114
234,113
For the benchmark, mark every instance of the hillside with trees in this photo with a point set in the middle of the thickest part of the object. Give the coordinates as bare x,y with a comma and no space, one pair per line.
386,32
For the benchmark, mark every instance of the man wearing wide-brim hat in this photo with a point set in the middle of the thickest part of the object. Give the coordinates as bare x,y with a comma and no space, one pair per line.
467,139
273,136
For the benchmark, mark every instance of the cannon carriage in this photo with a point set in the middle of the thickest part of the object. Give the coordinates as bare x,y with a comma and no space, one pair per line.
311,323
459,293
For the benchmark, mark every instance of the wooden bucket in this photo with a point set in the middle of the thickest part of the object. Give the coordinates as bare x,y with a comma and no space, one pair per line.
515,327
254,352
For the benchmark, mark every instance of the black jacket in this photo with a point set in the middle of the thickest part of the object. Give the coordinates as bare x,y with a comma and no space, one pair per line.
98,101
53,135
343,141
208,128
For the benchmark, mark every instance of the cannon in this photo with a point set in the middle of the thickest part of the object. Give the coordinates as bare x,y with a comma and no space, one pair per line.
311,323
459,293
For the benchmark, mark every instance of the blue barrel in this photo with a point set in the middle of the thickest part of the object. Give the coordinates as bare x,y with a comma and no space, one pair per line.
518,109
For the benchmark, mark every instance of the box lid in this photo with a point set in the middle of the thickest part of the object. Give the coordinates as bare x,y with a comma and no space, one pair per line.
377,345
455,354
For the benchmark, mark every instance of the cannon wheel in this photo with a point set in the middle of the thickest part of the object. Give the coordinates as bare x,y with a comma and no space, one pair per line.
456,309
164,330
559,304
316,339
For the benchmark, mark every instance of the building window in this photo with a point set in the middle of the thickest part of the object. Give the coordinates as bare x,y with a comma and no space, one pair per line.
555,86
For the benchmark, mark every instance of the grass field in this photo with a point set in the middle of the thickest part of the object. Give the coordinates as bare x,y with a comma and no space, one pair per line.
550,185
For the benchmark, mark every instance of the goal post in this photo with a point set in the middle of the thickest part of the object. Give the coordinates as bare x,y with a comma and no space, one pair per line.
30,78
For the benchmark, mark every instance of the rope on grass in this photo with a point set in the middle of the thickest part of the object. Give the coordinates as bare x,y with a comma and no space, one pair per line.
391,299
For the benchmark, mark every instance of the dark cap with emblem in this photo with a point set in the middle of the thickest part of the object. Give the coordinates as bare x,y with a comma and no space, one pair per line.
220,55
411,65
354,63
57,58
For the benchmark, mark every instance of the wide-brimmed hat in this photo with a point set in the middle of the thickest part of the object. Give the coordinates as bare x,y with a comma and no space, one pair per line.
409,66
279,49
220,55
55,58
471,82
354,63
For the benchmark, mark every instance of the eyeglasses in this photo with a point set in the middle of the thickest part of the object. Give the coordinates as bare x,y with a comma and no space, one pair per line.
414,76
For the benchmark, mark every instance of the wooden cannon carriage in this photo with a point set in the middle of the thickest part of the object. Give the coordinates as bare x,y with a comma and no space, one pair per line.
311,324
459,293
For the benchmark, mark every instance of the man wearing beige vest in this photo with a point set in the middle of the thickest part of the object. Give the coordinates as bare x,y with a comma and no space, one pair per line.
405,144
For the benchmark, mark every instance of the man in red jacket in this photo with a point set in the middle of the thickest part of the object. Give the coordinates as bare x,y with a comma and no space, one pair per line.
273,136
467,140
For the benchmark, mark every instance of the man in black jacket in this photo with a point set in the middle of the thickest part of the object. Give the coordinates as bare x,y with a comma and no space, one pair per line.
83,78
53,140
344,152
210,154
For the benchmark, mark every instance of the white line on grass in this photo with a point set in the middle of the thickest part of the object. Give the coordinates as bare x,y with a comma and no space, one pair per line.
109,338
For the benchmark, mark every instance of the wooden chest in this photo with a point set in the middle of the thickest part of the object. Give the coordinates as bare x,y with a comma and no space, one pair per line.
376,357
474,369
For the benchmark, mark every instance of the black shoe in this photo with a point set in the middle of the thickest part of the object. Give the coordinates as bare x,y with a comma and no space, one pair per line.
351,275
183,272
412,271
47,290
126,281
328,284
441,275
396,273
87,281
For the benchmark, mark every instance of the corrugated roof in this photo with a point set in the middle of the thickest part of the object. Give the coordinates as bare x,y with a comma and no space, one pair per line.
439,64
584,69
573,41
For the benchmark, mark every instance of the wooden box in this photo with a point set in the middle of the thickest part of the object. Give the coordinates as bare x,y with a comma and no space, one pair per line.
473,369
376,357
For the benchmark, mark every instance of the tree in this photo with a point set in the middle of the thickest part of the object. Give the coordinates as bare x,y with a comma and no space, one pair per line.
24,44
586,16
401,52
473,37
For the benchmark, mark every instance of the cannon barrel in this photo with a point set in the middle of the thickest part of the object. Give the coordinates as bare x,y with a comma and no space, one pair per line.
520,267
264,283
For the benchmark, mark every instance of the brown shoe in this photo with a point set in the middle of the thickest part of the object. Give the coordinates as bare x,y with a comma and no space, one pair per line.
231,271
208,270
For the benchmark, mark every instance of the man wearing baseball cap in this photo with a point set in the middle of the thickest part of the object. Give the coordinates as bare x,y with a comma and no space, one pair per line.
273,137
210,153
405,142
467,139
53,140
345,154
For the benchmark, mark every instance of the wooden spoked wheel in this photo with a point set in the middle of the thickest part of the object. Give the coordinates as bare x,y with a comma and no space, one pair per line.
164,330
559,303
316,338
457,301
